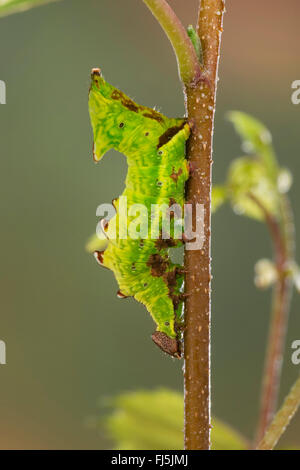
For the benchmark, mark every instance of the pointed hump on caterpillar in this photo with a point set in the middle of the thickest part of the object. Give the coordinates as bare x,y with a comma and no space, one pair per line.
117,119
169,345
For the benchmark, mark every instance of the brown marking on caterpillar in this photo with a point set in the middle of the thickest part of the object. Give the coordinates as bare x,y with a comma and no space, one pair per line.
127,102
169,134
99,257
152,114
162,244
120,295
104,226
181,271
114,202
132,106
179,327
175,175
176,300
169,345
170,279
96,72
158,265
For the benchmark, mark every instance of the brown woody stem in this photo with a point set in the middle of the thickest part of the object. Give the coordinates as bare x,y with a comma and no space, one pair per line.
200,84
200,105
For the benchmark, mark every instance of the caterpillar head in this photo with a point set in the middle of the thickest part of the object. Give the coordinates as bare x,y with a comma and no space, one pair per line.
118,121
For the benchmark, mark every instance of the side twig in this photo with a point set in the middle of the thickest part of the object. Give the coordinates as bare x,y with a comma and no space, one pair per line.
282,419
188,63
281,235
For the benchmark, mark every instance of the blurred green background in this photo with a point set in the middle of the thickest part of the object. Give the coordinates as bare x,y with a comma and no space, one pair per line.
69,339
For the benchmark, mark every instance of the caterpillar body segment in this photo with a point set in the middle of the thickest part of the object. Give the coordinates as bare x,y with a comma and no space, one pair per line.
154,146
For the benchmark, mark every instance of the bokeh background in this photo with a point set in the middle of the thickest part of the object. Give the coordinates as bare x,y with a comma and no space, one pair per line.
70,341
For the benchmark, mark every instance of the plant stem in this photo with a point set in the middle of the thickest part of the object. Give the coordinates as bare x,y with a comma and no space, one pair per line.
274,355
282,237
200,105
282,419
200,84
188,63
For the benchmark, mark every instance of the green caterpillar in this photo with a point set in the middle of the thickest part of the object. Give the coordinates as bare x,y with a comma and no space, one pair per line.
157,172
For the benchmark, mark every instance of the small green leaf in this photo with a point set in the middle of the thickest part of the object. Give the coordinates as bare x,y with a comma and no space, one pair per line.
248,176
194,37
154,420
256,140
12,6
147,420
218,197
